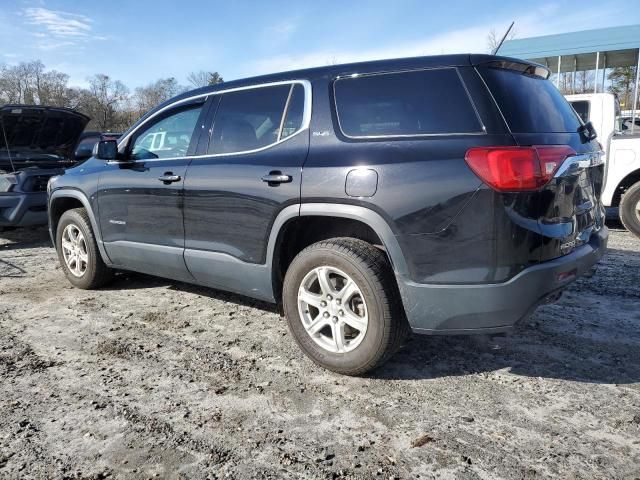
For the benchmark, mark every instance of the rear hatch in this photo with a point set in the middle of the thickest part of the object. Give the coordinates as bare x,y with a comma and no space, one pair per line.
567,210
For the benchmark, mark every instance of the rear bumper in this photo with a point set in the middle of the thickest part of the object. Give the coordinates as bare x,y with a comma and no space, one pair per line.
23,209
495,308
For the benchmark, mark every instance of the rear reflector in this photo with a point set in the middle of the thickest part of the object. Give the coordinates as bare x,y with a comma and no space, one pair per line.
515,169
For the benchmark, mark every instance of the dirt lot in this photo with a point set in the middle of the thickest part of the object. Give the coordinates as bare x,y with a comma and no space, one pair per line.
155,379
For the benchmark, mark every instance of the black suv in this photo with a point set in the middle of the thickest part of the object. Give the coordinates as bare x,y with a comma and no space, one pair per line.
448,194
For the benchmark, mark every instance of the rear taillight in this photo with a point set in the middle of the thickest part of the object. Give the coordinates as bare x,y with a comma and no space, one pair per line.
514,169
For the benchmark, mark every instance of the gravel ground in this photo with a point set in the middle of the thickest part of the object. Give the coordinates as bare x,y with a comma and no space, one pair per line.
156,379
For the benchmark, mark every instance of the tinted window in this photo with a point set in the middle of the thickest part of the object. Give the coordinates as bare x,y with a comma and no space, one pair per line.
408,103
168,137
248,119
85,146
582,109
295,112
530,104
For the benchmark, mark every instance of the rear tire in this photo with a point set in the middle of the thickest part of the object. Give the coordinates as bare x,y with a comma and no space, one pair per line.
360,323
630,209
78,251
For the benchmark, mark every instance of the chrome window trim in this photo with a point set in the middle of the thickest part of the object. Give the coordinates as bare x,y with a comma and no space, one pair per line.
306,117
285,112
482,131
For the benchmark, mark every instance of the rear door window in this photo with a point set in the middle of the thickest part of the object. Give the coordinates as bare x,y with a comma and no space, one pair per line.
295,112
425,102
529,103
248,120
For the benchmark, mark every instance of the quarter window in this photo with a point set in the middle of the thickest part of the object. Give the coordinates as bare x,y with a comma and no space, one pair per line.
251,119
425,102
167,138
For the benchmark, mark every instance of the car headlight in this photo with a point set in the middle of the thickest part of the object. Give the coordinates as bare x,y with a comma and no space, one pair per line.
7,182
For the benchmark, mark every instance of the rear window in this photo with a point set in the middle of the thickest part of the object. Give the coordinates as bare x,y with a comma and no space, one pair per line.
582,109
530,104
85,146
426,102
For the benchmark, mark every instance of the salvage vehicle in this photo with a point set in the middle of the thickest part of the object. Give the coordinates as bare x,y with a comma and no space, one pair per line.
444,195
621,145
36,143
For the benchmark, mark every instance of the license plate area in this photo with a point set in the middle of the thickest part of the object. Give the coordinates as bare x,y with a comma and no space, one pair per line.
571,209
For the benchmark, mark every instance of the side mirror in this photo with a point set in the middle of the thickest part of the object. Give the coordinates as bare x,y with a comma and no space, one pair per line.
106,150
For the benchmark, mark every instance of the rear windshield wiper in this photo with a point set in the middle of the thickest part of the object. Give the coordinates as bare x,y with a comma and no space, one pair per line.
587,131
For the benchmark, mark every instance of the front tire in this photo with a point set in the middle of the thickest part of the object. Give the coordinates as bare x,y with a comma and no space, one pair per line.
78,251
630,209
342,305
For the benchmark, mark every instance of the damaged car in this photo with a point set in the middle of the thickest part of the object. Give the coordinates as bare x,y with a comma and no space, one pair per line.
36,143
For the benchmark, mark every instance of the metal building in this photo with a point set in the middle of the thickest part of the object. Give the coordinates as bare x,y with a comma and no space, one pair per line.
583,51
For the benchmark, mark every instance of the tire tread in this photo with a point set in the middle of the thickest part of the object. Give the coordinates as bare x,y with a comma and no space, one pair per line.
102,274
374,260
628,216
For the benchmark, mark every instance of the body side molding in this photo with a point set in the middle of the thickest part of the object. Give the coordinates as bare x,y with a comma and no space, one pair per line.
226,272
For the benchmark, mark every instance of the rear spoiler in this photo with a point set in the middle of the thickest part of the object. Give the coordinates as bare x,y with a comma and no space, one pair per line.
513,64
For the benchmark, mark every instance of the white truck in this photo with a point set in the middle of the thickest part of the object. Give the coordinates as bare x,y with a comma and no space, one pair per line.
621,145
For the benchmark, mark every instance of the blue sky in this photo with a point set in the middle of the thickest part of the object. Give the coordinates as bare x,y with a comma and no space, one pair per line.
140,41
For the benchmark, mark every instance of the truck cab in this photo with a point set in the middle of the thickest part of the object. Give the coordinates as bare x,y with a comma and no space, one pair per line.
622,154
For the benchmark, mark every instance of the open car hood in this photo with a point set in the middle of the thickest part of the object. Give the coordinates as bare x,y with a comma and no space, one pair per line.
38,136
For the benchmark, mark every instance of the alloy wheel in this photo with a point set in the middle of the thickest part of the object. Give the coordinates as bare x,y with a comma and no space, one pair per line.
333,310
74,250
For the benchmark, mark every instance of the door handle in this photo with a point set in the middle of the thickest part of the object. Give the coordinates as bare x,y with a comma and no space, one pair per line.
169,177
276,178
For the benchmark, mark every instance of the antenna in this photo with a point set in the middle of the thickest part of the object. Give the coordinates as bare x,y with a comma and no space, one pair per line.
495,50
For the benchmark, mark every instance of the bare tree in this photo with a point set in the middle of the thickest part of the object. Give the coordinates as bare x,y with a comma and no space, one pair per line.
493,39
204,78
106,101
102,101
584,82
30,83
16,85
157,92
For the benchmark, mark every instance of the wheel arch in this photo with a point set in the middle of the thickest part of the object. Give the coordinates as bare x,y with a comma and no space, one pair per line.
66,199
373,228
627,182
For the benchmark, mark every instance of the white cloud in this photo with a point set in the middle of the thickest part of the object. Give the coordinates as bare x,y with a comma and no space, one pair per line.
285,28
457,41
547,19
45,46
281,32
59,24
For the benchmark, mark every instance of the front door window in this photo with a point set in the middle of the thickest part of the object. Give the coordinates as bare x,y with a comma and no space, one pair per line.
169,137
